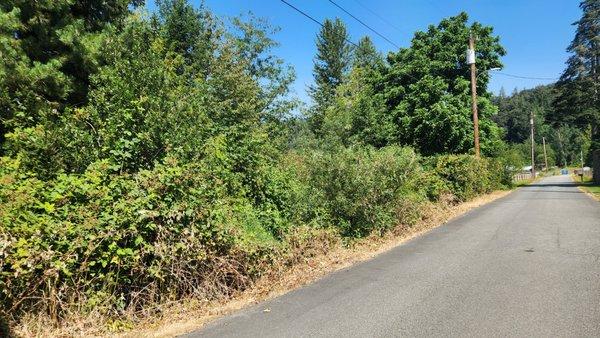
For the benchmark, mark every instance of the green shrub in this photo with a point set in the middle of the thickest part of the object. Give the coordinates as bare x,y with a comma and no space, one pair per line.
467,176
361,189
110,242
433,185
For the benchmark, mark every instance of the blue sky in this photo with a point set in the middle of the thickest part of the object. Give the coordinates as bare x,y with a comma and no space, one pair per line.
535,33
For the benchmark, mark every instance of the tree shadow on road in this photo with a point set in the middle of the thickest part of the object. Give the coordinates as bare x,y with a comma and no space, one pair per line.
565,185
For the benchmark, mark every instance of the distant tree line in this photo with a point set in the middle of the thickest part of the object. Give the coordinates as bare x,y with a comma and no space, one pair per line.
564,142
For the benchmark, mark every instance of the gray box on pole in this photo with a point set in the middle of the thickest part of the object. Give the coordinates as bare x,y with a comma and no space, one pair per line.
470,56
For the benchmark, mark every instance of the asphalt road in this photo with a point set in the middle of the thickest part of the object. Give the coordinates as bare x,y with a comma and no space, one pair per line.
525,265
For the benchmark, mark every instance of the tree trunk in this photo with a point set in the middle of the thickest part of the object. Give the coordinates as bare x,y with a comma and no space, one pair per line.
596,166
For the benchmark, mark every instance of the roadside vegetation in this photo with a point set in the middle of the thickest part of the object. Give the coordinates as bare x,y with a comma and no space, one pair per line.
152,158
586,183
594,190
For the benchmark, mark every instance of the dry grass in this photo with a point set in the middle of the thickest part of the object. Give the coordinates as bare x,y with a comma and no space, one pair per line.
191,315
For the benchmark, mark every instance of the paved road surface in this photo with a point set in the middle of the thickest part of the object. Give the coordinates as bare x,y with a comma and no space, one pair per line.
525,265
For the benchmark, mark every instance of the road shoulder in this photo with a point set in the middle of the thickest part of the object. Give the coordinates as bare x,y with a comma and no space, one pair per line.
591,190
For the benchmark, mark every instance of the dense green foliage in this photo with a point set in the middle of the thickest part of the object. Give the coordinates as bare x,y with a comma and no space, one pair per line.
514,112
577,104
49,48
579,99
363,189
426,89
467,176
109,242
171,165
564,142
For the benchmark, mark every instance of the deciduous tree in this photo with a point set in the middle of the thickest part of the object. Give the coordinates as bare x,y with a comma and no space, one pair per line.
427,88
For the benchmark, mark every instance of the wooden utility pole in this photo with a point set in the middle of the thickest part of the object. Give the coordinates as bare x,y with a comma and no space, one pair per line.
545,157
532,147
471,61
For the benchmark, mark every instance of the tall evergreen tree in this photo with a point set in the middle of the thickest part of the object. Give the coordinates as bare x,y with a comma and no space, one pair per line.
358,114
181,25
579,86
366,55
48,49
330,66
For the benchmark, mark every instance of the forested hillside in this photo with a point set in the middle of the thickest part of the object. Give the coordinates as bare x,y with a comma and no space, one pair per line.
149,158
564,142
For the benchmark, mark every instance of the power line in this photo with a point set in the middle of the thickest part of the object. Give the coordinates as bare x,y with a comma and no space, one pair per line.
527,77
320,24
312,19
379,16
354,44
364,24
